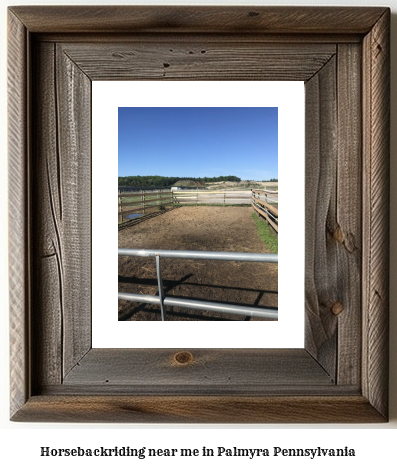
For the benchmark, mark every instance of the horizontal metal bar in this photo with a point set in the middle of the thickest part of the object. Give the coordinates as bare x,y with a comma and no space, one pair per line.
202,255
265,313
220,307
140,298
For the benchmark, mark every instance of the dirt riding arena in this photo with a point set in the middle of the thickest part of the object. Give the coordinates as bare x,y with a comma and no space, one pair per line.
226,229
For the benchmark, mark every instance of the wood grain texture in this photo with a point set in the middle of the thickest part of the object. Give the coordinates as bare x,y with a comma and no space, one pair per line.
376,92
341,376
160,38
321,258
205,60
74,134
199,409
19,255
47,317
333,216
198,19
62,206
157,370
347,226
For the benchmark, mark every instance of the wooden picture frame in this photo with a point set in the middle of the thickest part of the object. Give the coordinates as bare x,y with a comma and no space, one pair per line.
342,54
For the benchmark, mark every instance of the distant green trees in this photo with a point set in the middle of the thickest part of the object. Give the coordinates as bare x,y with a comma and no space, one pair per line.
229,178
158,181
271,180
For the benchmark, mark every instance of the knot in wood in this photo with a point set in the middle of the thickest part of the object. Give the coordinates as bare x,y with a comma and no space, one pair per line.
337,308
338,235
183,358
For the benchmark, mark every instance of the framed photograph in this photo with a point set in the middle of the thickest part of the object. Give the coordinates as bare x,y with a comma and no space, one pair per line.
195,129
228,130
340,374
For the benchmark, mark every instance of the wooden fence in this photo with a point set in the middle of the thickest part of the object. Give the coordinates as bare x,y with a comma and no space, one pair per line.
260,202
143,201
222,197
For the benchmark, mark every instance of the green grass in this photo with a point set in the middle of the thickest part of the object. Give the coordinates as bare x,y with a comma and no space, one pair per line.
265,233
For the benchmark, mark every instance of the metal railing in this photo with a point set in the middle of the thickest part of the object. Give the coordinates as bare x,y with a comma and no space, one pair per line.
160,299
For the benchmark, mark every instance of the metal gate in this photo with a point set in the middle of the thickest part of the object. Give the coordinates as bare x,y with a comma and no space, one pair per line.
162,301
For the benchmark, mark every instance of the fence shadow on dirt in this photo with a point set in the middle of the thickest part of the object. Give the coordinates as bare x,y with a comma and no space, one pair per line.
146,217
169,285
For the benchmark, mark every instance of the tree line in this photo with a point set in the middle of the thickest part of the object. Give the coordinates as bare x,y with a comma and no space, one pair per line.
158,181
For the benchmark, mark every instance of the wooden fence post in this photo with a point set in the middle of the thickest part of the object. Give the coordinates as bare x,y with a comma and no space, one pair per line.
121,207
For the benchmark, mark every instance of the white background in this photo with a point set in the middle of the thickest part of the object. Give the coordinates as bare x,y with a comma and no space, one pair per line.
288,332
375,444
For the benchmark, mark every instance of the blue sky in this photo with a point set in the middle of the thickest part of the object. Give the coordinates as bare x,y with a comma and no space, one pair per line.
198,142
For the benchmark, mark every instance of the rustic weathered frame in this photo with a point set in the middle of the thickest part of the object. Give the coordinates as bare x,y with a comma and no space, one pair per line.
343,55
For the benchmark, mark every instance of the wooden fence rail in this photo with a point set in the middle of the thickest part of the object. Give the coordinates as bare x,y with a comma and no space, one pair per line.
261,205
155,201
213,197
146,200
141,202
